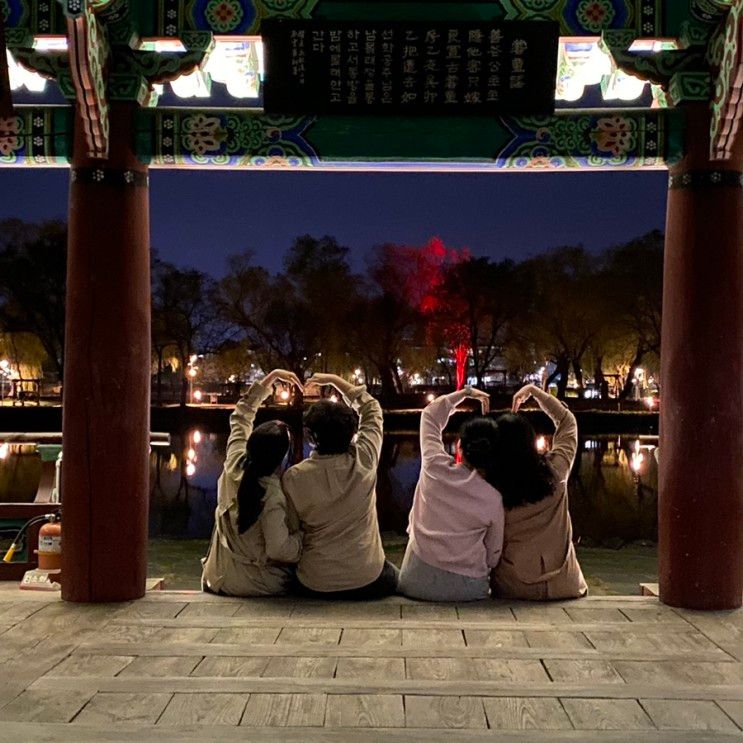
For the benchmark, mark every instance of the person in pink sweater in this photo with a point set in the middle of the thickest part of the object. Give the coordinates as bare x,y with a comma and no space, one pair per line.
456,522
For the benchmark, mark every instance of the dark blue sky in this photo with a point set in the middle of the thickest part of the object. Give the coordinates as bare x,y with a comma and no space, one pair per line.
200,217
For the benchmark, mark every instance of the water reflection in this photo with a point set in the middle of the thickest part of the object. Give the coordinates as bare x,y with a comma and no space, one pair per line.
613,486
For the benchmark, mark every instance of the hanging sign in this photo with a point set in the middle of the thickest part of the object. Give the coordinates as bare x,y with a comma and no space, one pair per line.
322,67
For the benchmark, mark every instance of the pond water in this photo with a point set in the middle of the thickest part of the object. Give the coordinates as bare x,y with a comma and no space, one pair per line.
613,498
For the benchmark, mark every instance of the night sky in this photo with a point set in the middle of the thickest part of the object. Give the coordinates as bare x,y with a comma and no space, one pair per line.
200,217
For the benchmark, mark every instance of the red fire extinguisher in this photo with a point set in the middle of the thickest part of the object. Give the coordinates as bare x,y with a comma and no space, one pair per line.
48,575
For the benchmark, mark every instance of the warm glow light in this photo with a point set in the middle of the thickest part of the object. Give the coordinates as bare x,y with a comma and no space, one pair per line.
4,364
541,444
650,402
637,458
194,358
284,395
197,395
196,437
190,469
430,397
333,398
192,372
4,448
191,454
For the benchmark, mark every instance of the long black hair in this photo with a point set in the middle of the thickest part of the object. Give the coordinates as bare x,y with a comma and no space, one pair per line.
264,452
478,440
522,474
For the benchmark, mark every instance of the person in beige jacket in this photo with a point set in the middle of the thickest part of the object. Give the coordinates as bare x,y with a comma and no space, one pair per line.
256,536
334,494
538,561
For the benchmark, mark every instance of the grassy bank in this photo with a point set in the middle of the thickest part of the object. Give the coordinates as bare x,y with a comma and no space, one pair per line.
607,571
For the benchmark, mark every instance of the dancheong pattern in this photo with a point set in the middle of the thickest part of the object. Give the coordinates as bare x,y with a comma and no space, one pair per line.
615,140
36,136
234,139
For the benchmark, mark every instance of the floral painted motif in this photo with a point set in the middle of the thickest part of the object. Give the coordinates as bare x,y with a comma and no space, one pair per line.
202,134
224,15
616,135
11,140
595,15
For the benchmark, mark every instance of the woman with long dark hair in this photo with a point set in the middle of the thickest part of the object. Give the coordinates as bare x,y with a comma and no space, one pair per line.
256,534
456,523
538,560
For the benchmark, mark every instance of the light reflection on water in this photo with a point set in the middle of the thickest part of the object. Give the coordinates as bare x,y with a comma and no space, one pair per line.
613,487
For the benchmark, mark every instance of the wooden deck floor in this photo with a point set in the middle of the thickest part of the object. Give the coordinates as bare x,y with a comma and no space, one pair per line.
184,666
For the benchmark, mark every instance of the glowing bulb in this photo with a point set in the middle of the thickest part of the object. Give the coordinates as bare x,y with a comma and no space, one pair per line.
430,397
358,372
191,454
197,395
192,372
334,398
190,469
194,358
284,395
650,402
4,363
541,444
196,437
4,449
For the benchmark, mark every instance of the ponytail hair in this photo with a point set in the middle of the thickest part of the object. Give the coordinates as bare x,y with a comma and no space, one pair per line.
265,450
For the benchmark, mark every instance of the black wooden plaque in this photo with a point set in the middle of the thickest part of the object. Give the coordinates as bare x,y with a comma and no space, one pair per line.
497,67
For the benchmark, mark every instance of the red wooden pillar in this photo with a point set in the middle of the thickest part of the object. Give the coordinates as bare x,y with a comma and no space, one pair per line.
701,445
106,407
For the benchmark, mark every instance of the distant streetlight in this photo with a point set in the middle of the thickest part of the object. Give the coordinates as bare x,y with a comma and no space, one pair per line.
430,397
541,444
197,395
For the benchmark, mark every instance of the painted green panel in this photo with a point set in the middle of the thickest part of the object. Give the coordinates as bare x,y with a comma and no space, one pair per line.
424,11
390,138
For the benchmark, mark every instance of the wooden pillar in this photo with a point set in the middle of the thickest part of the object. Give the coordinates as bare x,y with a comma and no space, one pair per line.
701,430
106,406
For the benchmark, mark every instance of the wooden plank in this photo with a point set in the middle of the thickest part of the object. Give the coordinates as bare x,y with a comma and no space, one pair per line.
309,636
82,664
541,614
365,610
485,611
370,669
506,639
444,712
231,666
471,669
655,643
311,667
247,635
112,708
385,651
734,710
597,616
204,709
661,614
526,713
558,640
124,633
176,635
39,705
63,733
490,687
523,626
583,671
607,714
433,638
365,710
148,610
285,710
430,612
227,609
671,714
167,665
364,638
680,672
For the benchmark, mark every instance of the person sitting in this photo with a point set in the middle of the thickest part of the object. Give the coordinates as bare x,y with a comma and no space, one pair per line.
255,535
456,523
334,494
538,560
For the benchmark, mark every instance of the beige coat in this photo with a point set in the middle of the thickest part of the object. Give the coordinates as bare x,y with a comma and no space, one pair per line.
253,563
538,559
335,498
